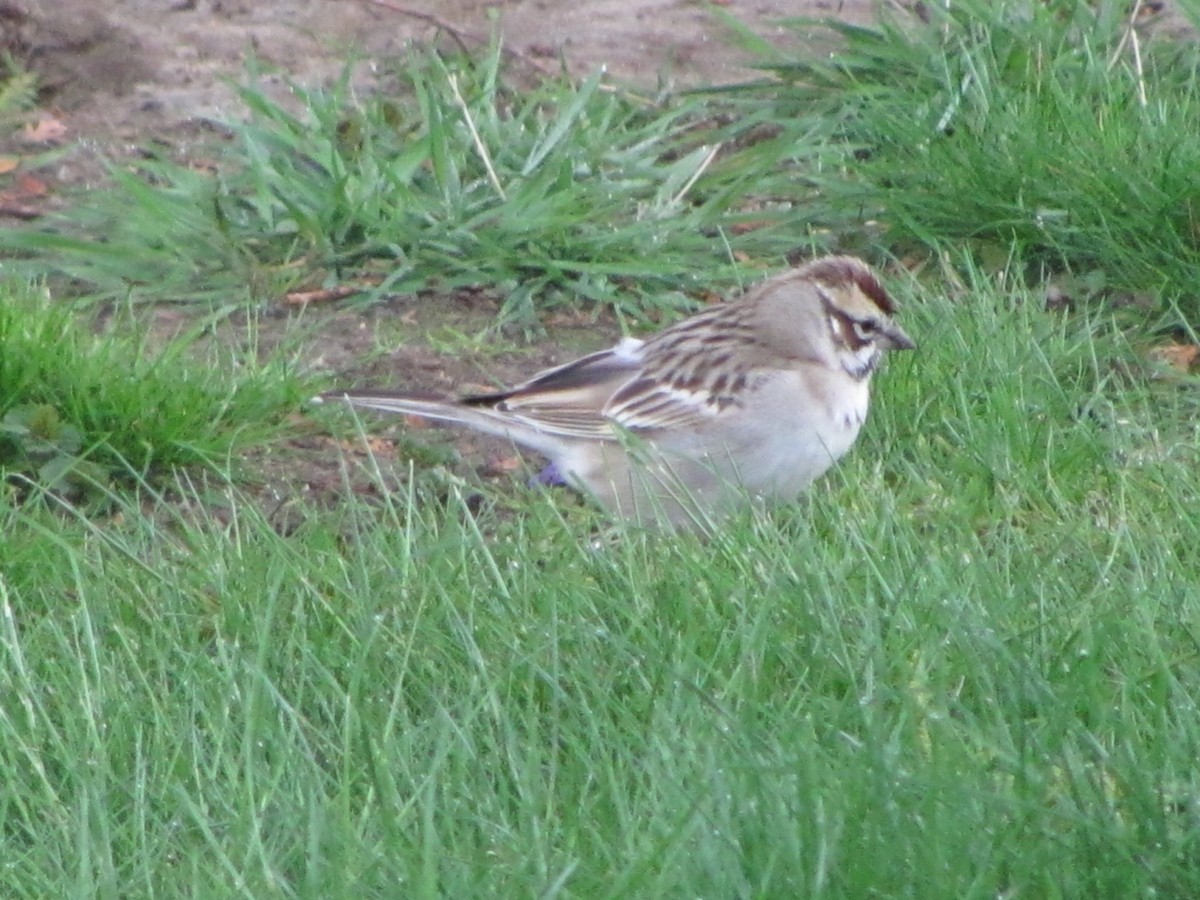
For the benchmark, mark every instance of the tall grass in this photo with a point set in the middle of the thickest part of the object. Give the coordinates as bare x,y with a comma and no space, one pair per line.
1048,131
965,666
567,193
1045,130
80,405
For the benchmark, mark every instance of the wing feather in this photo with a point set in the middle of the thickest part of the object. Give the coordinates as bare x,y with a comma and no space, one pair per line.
569,400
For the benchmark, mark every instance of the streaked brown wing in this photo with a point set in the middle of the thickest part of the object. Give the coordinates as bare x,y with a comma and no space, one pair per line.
586,382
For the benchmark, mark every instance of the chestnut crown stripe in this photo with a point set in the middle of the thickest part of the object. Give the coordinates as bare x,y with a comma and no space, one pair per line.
838,270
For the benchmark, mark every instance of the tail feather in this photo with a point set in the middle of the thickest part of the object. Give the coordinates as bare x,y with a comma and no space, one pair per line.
480,418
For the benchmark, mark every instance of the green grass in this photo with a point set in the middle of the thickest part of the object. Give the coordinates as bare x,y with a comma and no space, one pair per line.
18,91
81,405
1042,127
562,194
966,666
1039,126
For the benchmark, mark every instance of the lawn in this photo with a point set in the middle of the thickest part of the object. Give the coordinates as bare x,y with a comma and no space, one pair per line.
967,664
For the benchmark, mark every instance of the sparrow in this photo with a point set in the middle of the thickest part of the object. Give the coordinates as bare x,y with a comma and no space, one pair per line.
754,397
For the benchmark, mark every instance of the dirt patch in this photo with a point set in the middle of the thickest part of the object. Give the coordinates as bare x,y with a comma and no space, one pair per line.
437,346
127,72
132,69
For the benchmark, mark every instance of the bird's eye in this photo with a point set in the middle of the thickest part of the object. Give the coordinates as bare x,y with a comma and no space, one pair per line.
866,330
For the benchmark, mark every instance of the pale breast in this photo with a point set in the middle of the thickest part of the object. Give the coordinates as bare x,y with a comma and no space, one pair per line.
793,427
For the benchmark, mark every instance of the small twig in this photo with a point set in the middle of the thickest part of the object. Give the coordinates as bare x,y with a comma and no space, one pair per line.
712,154
327,295
483,152
461,37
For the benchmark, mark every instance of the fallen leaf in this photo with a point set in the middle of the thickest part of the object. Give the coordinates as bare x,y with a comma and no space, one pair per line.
46,130
327,295
8,163
572,317
204,166
1180,357
375,445
751,225
500,465
31,186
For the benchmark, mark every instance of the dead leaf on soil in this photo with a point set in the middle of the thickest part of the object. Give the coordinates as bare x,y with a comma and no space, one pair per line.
326,295
204,166
571,317
31,186
1180,357
751,225
8,164
375,445
500,465
15,201
46,130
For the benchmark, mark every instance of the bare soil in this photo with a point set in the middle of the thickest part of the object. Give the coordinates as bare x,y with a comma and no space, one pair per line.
121,73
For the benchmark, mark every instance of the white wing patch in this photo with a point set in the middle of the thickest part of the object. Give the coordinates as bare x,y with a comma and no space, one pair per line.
629,349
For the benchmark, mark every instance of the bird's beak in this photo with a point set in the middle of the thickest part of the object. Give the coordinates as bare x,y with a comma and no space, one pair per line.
894,338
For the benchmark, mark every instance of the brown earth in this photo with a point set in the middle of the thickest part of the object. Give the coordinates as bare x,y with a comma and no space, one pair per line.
121,72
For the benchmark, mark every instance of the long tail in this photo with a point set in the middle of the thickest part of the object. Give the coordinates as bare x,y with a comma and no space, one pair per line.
480,418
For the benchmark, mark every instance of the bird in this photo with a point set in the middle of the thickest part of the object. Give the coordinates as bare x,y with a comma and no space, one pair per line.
755,397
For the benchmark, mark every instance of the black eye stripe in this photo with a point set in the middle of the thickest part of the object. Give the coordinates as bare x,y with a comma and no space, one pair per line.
853,333
866,328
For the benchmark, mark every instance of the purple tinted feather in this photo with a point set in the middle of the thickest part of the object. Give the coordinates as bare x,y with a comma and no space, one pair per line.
548,477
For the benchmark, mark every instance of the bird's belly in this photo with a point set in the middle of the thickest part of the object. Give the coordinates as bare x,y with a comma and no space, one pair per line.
785,463
776,458
780,457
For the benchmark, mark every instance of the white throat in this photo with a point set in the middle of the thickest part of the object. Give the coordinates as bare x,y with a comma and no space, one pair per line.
860,363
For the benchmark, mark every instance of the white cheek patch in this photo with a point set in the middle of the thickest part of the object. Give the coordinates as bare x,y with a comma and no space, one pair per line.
838,327
865,354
